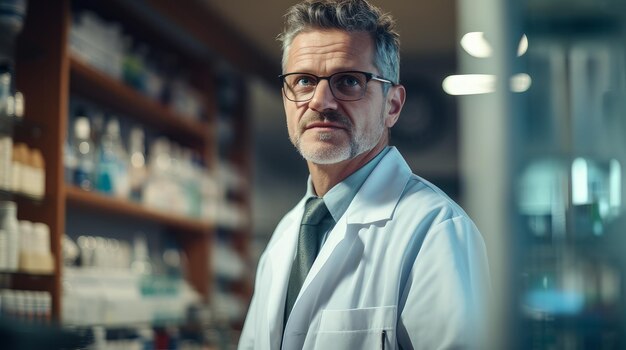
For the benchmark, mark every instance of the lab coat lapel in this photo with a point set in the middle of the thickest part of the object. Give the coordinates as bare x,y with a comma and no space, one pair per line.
317,287
378,197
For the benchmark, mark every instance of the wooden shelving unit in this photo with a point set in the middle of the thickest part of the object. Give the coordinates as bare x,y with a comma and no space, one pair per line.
94,200
48,74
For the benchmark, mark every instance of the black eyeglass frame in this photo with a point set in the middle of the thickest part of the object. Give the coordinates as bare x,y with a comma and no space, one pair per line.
368,77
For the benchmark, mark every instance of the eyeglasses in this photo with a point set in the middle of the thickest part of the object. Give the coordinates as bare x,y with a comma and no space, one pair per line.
345,86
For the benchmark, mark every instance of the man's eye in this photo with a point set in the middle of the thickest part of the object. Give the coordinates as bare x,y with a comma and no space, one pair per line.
348,81
304,81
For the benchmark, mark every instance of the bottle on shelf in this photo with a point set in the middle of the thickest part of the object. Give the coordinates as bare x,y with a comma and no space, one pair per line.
84,150
38,186
35,255
69,161
28,169
5,90
141,263
6,138
112,168
9,236
158,190
19,163
96,120
191,184
6,156
137,165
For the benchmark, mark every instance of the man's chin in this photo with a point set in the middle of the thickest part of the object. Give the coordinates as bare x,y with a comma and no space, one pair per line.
325,155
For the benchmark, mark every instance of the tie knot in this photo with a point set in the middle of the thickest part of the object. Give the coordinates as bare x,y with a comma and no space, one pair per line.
314,211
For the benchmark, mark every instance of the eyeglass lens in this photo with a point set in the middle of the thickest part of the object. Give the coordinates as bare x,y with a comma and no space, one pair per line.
347,86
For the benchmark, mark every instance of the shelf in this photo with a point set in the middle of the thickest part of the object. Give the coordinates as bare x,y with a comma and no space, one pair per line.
22,274
29,281
78,197
10,195
88,82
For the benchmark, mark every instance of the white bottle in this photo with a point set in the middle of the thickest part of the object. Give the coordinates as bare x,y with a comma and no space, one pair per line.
40,238
3,248
141,263
137,170
8,224
158,191
25,232
6,156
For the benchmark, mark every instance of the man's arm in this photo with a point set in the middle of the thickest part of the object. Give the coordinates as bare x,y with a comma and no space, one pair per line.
442,302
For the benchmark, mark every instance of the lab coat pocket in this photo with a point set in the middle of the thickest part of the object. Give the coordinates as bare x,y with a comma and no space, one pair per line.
368,328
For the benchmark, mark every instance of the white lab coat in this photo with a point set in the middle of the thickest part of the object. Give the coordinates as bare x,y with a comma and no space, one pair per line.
403,259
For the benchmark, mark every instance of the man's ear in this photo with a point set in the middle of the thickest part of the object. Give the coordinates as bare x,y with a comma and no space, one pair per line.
395,101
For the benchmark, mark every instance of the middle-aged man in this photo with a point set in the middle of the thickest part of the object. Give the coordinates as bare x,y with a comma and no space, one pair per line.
373,256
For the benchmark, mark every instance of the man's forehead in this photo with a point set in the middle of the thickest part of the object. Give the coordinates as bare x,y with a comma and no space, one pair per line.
335,45
315,34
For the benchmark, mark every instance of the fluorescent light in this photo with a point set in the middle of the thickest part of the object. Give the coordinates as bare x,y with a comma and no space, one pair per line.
469,84
523,46
473,84
475,44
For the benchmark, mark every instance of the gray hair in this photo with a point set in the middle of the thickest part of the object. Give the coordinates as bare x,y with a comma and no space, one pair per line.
351,16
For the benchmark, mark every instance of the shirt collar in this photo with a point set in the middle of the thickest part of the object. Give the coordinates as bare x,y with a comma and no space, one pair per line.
338,198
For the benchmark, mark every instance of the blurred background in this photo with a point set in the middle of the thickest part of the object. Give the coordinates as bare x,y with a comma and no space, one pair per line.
144,163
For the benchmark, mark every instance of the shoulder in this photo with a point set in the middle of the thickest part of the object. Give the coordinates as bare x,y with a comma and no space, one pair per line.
424,201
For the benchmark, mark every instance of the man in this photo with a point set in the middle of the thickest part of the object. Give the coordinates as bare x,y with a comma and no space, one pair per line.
389,261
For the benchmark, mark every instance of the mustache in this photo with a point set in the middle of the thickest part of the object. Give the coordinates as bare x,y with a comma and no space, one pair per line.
330,116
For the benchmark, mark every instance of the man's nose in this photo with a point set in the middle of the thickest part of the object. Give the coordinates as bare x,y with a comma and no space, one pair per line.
323,98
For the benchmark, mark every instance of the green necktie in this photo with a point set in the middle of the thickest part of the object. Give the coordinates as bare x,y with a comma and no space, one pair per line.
315,222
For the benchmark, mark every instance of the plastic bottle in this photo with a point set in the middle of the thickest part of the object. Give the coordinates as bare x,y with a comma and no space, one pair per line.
137,165
84,150
191,183
8,224
113,162
6,156
69,161
41,238
96,119
27,178
25,232
141,263
5,90
19,158
159,188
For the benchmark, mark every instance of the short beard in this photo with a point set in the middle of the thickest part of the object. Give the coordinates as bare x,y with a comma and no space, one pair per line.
333,155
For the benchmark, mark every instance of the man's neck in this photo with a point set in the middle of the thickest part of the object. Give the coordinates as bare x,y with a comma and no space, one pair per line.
326,176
